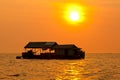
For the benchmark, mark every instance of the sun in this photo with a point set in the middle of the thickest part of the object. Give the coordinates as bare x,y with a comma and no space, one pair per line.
74,14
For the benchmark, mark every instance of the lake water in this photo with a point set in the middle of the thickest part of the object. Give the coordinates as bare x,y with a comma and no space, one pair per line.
94,67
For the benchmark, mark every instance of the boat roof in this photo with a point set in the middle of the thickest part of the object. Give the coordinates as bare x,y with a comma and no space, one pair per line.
66,46
40,44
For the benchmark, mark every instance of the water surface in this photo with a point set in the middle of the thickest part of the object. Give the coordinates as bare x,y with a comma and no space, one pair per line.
94,67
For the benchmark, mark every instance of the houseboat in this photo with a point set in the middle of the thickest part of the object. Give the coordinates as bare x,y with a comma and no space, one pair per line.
51,50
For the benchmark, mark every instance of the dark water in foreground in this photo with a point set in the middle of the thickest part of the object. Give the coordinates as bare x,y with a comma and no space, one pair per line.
94,67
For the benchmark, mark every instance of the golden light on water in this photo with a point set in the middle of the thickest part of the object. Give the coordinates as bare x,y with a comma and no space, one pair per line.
72,71
74,14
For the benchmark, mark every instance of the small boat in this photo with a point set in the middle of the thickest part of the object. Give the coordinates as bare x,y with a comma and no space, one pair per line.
51,50
18,57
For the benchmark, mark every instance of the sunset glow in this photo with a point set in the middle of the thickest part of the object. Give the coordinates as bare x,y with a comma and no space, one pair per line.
93,25
74,14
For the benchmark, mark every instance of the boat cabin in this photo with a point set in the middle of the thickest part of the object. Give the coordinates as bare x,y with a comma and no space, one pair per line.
52,50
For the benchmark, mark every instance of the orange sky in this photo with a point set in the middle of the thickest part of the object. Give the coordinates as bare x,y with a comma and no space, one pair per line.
22,21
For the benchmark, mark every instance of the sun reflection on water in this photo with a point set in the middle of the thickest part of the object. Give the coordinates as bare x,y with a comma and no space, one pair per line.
72,71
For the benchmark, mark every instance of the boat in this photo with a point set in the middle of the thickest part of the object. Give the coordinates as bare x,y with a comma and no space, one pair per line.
51,50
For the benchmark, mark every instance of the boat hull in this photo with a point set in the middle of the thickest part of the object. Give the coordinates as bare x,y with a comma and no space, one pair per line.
51,56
